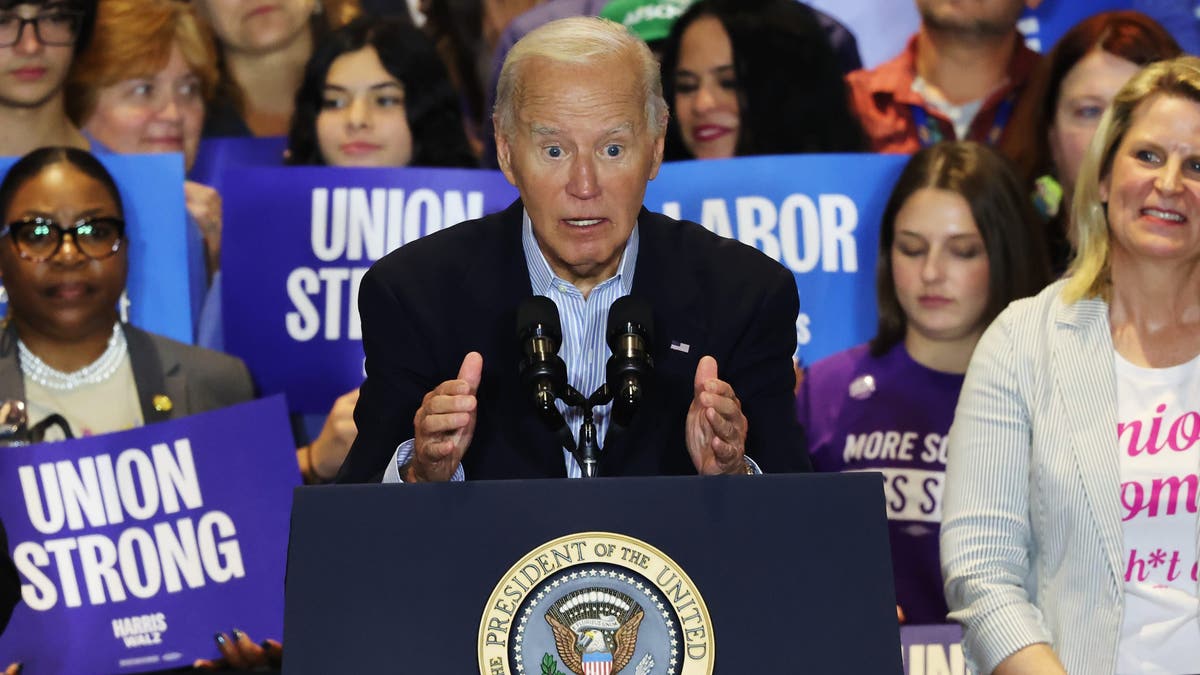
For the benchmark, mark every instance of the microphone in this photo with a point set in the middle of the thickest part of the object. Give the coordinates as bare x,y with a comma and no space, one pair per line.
630,333
543,373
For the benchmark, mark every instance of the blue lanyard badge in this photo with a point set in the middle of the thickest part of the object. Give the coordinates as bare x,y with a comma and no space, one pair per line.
930,130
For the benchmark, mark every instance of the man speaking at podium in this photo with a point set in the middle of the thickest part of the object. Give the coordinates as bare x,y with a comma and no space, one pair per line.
580,121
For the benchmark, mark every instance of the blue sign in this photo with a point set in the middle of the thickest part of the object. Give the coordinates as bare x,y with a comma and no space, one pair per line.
135,547
216,157
298,241
818,215
161,285
1044,25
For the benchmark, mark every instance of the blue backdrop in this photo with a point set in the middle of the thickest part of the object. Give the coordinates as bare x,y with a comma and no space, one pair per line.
298,240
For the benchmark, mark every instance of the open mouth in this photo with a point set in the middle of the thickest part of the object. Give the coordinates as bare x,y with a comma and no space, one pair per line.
1169,216
583,222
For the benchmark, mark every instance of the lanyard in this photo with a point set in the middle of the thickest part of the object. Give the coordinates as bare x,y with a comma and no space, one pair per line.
929,128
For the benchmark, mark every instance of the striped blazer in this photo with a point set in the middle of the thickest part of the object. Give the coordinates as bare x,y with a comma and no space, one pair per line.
1031,541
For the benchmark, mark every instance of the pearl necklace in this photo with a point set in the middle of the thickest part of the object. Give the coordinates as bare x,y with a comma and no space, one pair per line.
95,372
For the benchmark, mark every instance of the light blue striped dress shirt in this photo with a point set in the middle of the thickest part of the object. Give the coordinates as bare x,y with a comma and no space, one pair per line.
584,348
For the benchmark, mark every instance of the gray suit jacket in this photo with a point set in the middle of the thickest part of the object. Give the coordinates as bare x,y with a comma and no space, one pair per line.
1031,533
196,380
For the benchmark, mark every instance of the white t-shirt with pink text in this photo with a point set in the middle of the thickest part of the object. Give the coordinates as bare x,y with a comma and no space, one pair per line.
1158,429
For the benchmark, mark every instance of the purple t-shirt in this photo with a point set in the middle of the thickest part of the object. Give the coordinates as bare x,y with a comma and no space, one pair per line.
889,414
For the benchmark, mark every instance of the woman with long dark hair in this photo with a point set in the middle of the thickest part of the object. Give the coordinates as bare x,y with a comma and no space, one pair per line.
956,245
376,94
754,77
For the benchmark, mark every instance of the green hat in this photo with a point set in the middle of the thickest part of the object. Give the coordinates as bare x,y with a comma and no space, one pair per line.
651,20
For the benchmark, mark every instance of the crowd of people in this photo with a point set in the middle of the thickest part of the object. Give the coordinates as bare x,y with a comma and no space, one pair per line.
1038,279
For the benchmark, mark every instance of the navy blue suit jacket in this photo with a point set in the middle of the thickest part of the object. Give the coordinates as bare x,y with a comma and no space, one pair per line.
427,304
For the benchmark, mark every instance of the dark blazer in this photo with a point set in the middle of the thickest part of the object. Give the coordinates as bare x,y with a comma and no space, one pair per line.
10,584
196,380
427,304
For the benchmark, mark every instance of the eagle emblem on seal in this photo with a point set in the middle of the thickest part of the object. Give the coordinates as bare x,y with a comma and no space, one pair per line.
595,630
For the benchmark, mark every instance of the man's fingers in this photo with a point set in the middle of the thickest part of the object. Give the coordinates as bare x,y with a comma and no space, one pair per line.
442,403
725,427
724,452
725,404
442,422
471,370
445,422
705,370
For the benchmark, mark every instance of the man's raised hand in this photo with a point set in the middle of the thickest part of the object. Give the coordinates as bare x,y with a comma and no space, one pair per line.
445,424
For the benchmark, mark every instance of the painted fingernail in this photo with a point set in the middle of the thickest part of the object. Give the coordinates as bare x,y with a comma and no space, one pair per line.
265,644
220,639
237,635
20,667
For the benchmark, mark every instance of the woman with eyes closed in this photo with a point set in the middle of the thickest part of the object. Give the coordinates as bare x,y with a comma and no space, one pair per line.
754,77
1067,93
957,244
376,94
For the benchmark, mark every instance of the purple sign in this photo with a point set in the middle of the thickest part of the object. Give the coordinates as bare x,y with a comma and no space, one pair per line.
135,547
298,241
933,650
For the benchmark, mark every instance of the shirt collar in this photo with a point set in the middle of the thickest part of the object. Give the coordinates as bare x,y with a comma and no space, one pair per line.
542,278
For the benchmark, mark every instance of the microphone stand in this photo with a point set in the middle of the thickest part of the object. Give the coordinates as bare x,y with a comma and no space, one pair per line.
587,451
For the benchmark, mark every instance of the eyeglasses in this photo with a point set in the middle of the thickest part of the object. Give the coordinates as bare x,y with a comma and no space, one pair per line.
38,239
56,28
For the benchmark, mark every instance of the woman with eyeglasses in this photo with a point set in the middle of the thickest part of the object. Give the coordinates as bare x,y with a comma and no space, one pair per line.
140,87
64,349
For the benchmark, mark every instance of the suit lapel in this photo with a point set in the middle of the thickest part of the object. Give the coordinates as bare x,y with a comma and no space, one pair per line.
510,285
12,383
160,385
665,279
1083,372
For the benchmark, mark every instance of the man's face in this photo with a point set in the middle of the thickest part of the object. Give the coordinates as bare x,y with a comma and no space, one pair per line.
580,152
982,18
31,73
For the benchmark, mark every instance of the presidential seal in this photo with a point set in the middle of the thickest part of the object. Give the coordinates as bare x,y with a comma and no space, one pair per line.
595,603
